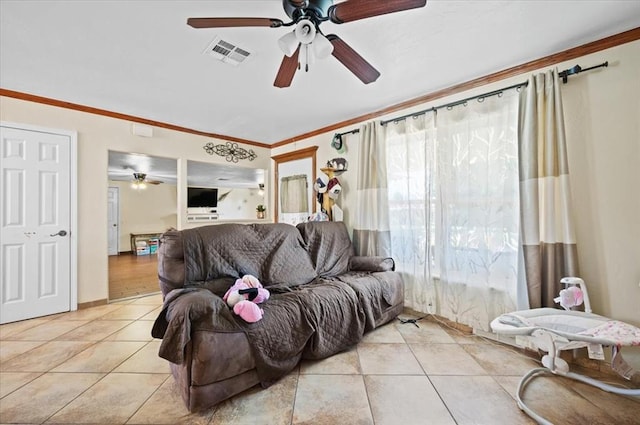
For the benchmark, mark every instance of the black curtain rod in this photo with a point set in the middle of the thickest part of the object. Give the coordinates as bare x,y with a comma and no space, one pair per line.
354,131
577,70
480,98
562,74
337,142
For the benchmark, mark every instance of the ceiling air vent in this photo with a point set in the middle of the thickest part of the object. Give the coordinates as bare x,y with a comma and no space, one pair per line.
227,52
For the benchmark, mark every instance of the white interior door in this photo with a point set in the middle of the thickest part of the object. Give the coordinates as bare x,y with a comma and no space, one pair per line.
36,225
112,220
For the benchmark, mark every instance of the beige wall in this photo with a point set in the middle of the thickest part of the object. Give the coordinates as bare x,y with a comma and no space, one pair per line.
96,136
150,210
602,113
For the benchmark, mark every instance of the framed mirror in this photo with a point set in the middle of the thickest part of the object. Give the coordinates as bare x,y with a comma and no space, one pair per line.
295,173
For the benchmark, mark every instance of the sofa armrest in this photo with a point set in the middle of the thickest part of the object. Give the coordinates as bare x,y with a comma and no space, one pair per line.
371,264
182,308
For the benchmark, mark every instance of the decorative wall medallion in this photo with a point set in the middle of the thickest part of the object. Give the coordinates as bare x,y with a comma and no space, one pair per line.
231,151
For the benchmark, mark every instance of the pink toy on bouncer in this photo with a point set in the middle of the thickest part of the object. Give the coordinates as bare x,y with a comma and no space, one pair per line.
570,297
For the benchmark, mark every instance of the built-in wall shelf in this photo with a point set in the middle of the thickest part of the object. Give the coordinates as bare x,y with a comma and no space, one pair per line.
191,224
202,217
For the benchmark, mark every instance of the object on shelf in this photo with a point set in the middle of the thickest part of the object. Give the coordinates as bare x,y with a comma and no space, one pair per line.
144,243
328,192
318,216
334,188
261,211
339,165
153,245
142,248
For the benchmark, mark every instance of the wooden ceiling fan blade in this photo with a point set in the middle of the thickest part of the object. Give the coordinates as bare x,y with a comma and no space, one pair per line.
353,10
352,60
287,70
233,22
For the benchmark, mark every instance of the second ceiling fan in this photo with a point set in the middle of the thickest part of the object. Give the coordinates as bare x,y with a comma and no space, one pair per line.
307,39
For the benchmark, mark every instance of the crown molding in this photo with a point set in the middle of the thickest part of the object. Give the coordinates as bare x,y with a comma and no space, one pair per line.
97,111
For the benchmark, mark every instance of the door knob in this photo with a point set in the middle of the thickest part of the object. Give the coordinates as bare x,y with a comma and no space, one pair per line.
60,233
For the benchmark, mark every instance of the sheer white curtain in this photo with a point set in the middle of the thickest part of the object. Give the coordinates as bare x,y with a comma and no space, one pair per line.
478,232
294,201
453,190
410,148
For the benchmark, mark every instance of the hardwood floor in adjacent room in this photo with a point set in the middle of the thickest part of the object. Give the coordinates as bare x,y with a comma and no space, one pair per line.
132,275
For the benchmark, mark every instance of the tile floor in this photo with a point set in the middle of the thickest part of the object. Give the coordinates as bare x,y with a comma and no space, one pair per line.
100,366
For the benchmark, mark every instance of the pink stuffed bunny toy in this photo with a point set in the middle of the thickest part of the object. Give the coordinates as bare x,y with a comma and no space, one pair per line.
244,296
249,311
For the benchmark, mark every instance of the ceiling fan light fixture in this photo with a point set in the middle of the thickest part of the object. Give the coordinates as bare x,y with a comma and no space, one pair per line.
139,177
139,181
305,31
322,47
288,43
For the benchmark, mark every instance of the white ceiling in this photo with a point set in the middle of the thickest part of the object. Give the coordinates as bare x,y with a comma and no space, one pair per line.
140,58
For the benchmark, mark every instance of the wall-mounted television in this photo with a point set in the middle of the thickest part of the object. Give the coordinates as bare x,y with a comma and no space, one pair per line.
202,197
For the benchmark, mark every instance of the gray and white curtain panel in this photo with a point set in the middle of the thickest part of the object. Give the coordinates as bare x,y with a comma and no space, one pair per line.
547,229
371,222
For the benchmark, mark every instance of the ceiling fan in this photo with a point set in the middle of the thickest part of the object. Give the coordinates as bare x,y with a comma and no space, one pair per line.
307,39
140,181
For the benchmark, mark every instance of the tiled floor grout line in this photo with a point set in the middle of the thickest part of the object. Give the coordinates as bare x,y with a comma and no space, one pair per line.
131,299
104,375
364,383
26,383
431,382
295,396
147,399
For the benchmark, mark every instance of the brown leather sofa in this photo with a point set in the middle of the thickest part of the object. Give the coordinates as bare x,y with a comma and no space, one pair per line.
323,299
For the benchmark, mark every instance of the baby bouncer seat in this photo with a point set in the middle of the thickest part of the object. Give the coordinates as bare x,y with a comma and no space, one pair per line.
553,330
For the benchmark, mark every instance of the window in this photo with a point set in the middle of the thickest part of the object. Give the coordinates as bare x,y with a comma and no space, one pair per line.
454,208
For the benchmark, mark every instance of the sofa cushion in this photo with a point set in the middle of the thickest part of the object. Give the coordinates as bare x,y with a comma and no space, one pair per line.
376,292
338,319
274,253
170,261
371,264
328,245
